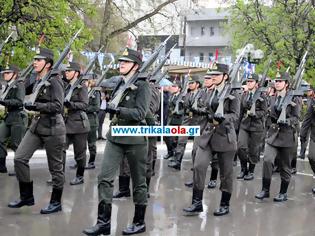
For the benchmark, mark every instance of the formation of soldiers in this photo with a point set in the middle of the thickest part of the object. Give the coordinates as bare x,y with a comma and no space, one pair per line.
234,121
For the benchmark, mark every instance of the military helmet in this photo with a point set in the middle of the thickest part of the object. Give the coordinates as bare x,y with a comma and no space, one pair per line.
131,55
284,76
253,76
217,69
10,69
44,53
73,66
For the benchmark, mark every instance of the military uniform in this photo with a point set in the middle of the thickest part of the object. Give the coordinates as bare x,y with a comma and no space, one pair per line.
15,120
280,141
131,111
308,126
77,123
92,111
251,132
218,138
47,130
173,119
190,118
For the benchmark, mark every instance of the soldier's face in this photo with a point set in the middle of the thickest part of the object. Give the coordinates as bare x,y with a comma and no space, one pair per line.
192,85
217,79
174,89
125,67
208,82
251,84
8,76
280,85
39,65
70,74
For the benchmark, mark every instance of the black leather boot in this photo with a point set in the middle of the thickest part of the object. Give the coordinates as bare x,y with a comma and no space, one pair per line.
148,180
168,155
250,174
55,202
79,179
244,170
90,166
282,196
189,184
3,168
102,226
124,190
138,224
265,189
224,208
213,179
196,203
26,196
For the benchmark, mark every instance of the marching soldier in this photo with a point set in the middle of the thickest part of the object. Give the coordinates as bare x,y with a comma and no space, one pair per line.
280,140
251,131
308,129
15,121
77,122
174,119
92,111
219,138
190,118
131,110
47,130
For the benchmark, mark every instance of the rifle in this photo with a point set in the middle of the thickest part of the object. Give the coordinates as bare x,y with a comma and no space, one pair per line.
82,77
294,89
260,88
118,95
160,76
102,77
44,81
182,94
5,41
154,74
233,82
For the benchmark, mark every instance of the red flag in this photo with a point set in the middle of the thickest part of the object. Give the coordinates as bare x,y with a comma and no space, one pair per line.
216,54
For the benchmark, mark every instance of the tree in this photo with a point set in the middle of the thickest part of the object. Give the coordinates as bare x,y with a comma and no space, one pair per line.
282,27
58,20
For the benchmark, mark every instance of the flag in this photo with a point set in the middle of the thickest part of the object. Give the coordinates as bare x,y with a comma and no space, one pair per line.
216,54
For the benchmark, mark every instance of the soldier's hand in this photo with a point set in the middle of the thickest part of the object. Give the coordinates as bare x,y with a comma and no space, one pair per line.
218,119
30,107
67,104
2,102
283,122
112,110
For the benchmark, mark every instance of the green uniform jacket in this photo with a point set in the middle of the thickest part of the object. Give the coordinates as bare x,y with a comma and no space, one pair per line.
50,105
76,119
133,106
93,109
14,104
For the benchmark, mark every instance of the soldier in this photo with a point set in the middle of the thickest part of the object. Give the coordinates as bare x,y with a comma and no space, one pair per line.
77,122
47,130
218,138
124,173
280,140
15,120
131,110
305,128
200,108
251,131
190,118
173,119
92,111
308,129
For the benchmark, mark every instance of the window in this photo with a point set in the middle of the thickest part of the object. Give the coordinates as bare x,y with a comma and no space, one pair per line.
202,30
201,57
211,31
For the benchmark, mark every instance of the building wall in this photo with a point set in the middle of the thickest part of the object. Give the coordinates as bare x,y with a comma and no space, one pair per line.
205,54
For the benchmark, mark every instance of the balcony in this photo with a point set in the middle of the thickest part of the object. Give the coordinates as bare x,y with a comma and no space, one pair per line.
205,41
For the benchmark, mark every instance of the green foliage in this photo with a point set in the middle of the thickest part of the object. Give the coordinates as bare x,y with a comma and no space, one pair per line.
284,28
58,20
